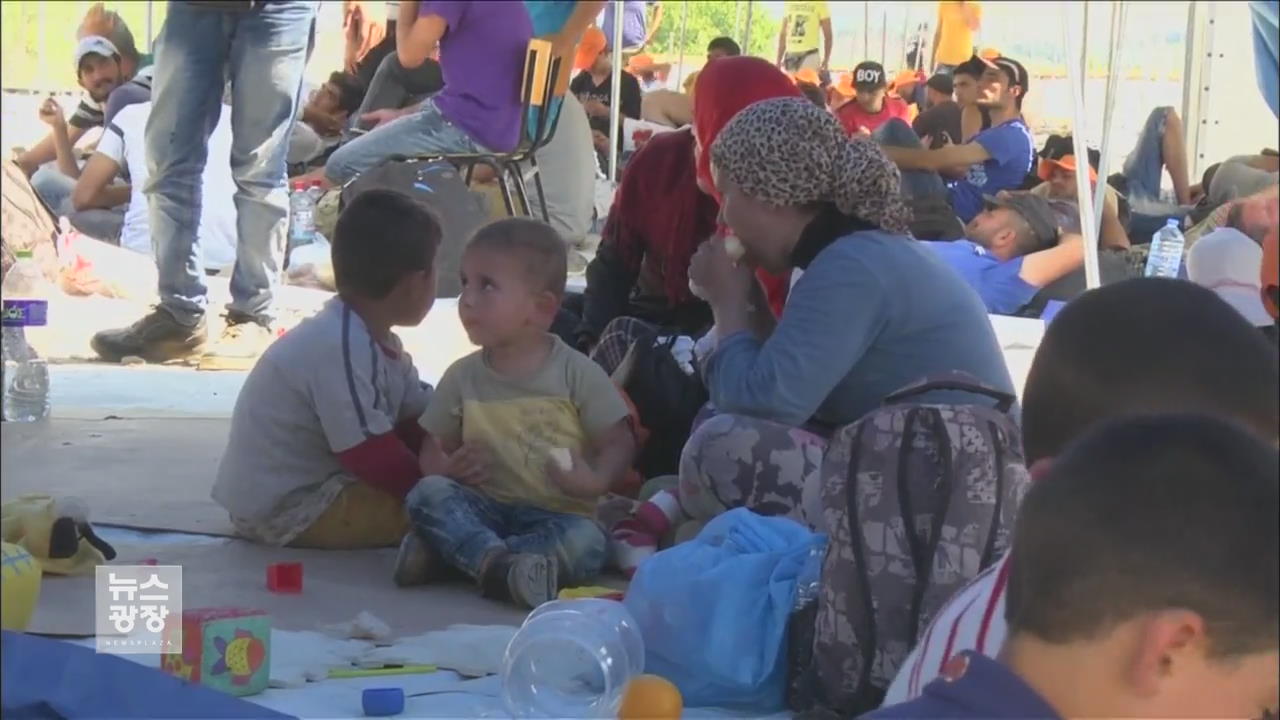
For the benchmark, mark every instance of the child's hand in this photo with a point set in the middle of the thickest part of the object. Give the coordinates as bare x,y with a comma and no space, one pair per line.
580,481
469,464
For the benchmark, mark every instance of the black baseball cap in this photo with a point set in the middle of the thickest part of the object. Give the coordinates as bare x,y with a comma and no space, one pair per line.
942,83
1016,73
869,75
1034,209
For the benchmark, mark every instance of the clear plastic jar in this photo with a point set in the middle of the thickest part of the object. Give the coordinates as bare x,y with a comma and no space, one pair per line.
571,658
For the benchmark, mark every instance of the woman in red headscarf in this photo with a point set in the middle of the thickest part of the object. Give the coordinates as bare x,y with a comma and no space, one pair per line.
664,209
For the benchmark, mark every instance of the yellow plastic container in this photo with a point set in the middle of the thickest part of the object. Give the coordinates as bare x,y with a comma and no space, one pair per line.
19,587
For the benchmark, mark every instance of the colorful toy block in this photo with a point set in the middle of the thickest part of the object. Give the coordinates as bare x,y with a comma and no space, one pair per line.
284,577
227,649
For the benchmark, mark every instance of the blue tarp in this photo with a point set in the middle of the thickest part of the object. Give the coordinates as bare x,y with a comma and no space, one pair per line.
1266,59
43,678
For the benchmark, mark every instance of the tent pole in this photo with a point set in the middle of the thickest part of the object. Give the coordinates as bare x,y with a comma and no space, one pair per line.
884,33
906,23
684,21
1119,12
866,30
1075,81
615,92
746,31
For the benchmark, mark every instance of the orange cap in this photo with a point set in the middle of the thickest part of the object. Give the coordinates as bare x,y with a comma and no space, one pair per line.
906,77
589,48
989,53
1066,162
807,75
844,86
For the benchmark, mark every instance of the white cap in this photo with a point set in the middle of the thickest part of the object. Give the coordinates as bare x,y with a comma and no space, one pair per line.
1227,262
94,45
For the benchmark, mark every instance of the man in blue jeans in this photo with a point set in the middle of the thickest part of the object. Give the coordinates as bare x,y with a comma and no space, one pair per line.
262,49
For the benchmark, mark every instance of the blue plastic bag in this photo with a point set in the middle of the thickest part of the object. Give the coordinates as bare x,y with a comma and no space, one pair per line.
713,611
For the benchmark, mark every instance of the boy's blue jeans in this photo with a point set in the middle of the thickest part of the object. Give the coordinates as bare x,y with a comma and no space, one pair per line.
262,52
465,525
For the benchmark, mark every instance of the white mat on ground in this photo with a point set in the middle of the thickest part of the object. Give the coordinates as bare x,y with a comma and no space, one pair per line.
455,696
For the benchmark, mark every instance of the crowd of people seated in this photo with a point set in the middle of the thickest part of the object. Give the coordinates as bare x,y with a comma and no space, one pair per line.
822,243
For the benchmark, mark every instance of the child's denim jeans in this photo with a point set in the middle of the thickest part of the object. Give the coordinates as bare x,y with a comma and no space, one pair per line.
464,525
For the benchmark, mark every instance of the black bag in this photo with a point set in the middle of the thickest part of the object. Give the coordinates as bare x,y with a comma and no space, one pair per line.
666,399
438,185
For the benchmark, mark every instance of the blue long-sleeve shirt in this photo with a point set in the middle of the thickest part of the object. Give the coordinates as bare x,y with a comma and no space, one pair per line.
872,313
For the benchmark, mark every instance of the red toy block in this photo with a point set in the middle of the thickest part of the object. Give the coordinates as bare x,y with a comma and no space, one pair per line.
284,577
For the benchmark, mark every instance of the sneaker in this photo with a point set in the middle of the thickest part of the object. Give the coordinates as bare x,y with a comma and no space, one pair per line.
242,342
156,338
416,563
532,579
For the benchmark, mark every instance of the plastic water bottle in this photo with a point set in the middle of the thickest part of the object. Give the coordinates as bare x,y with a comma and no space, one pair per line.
810,577
1165,257
302,216
26,376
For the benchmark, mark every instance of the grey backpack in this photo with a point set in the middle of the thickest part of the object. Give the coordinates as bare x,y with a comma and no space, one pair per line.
918,499
438,185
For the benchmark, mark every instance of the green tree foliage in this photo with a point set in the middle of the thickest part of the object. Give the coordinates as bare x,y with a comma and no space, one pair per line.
709,20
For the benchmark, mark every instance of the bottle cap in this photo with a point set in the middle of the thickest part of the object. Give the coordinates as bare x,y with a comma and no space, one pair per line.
381,702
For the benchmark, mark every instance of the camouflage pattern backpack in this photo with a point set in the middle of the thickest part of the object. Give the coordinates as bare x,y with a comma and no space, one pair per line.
918,499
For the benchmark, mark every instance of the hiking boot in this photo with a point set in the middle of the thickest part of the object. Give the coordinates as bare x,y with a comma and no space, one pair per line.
242,342
157,338
417,562
526,579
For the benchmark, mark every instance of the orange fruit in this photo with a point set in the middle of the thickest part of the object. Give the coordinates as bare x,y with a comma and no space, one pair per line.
649,697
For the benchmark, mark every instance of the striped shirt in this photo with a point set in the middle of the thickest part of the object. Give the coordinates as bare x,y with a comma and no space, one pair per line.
88,114
318,412
973,619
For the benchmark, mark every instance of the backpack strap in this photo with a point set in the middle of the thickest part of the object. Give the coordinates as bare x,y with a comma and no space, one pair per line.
923,550
962,382
867,633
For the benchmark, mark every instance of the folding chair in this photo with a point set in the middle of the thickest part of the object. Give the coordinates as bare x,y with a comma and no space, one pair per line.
541,73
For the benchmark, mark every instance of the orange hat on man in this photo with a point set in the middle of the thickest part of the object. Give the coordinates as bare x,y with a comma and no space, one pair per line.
589,48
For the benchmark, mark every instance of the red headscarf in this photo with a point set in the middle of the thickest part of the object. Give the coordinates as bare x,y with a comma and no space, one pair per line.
724,88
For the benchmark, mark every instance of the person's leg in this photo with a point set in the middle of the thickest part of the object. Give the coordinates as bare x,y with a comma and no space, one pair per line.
1174,147
191,59
360,517
267,57
424,132
54,187
737,461
811,60
567,167
130,93
367,67
916,184
1144,166
394,86
577,543
105,225
465,528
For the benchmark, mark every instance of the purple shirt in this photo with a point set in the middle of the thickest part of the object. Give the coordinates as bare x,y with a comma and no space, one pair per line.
634,23
482,58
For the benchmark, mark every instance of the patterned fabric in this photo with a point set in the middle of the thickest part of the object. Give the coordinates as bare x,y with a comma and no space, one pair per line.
930,488
787,151
738,461
618,337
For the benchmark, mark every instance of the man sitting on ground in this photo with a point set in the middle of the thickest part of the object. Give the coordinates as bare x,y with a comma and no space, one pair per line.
1013,249
324,117
482,52
122,152
998,159
872,105
98,70
939,126
1057,170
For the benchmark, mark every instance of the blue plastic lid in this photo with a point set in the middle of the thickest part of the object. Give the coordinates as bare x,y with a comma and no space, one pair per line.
380,702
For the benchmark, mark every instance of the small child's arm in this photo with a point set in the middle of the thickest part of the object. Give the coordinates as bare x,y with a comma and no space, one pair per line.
613,451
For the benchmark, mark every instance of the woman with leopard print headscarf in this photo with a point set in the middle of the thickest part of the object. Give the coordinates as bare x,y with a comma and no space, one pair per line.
873,312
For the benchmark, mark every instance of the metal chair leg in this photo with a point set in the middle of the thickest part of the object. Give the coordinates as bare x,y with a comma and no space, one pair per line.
502,185
537,184
522,192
